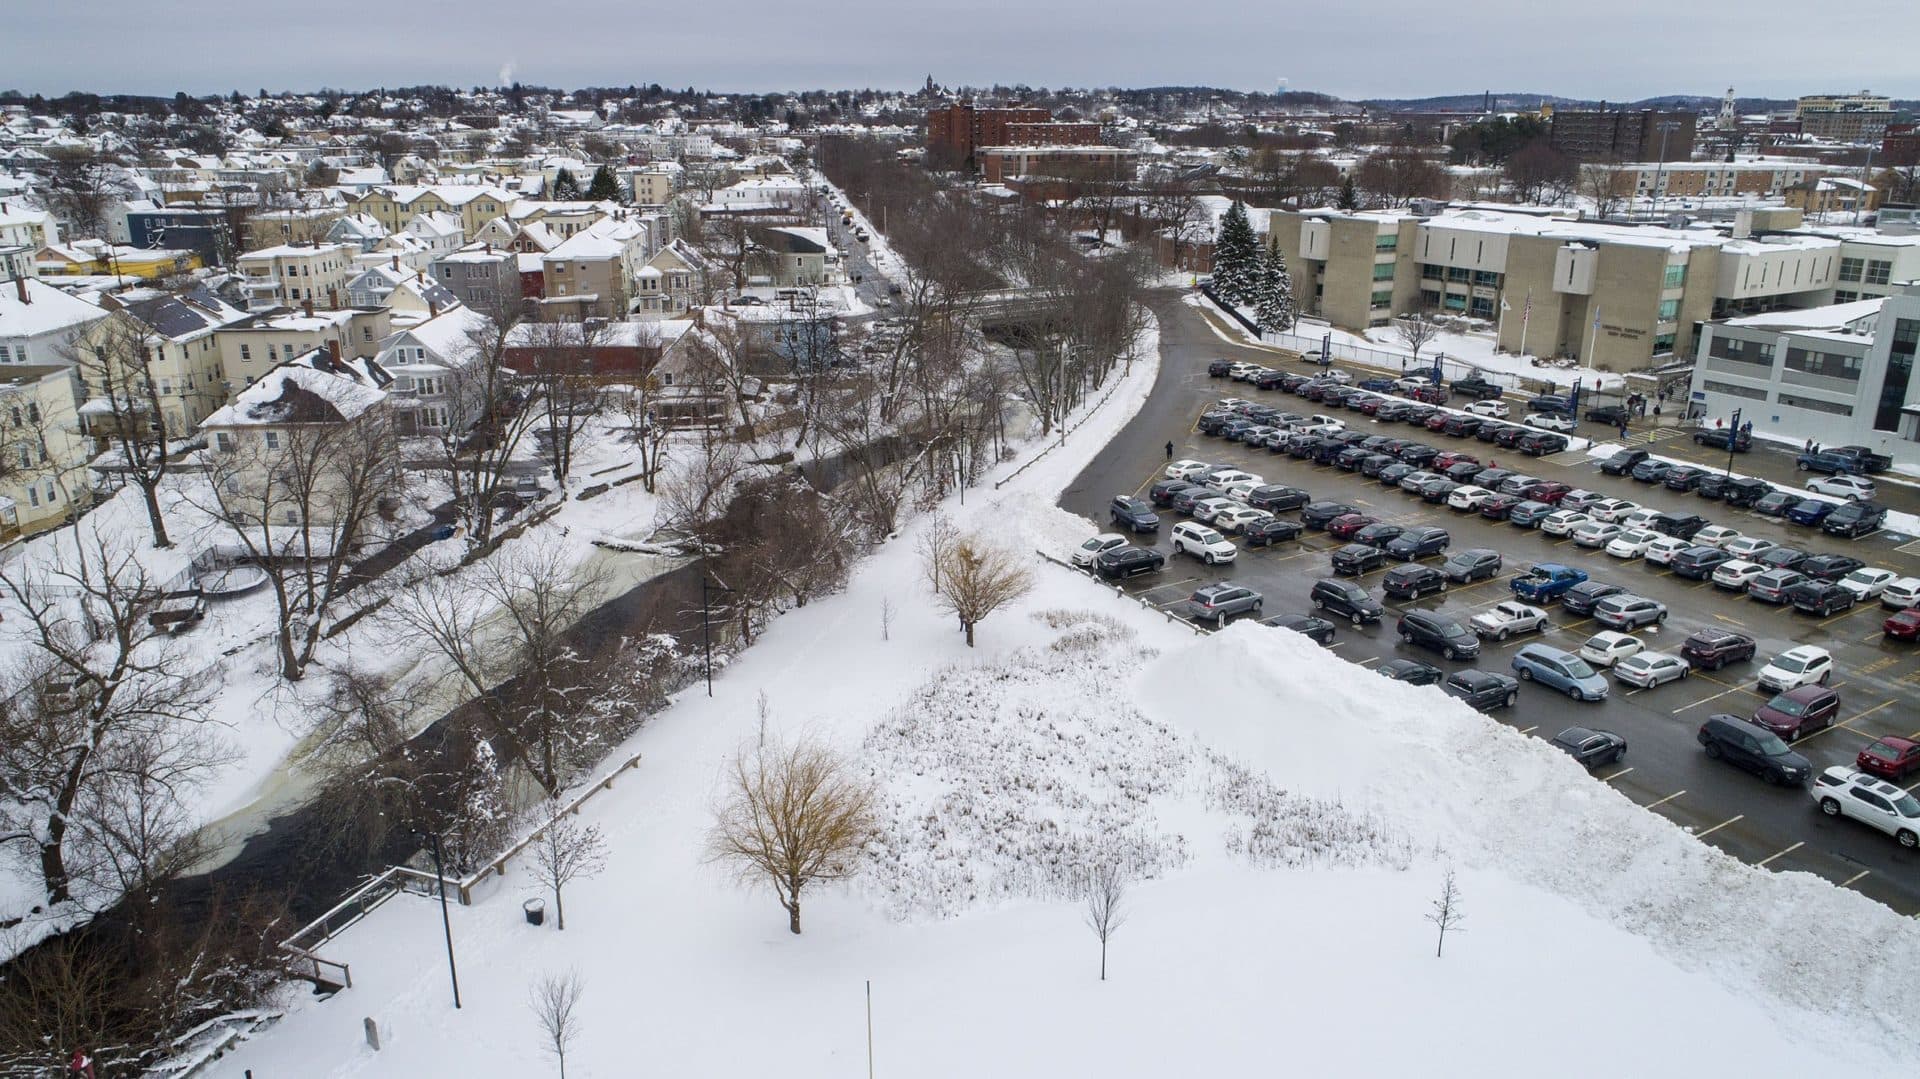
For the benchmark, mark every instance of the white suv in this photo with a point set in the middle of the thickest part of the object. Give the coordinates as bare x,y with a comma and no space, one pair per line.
1203,543
1843,792
1803,665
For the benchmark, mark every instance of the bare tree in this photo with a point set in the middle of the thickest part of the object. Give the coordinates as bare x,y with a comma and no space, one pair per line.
1447,912
727,354
791,817
1597,184
1106,888
1416,330
555,1000
81,188
565,850
100,722
116,361
487,393
970,576
647,428
561,375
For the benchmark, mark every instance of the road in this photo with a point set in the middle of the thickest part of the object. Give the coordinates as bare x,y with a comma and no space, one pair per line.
1879,680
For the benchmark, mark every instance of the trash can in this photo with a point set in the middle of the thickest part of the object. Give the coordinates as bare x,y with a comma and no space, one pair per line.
536,910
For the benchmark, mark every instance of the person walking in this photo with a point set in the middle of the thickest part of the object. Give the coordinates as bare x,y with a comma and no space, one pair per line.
1623,430
1169,450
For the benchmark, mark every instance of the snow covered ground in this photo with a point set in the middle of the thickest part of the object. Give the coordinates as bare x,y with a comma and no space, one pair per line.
1290,827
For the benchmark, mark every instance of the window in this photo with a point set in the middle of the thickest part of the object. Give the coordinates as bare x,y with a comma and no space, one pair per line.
1663,342
33,495
1386,241
1814,404
1844,296
1458,273
246,352
1487,278
273,440
1669,310
1429,298
1878,272
1732,390
1824,364
1893,388
1676,276
223,441
1382,299
1455,303
1850,269
1383,271
4,356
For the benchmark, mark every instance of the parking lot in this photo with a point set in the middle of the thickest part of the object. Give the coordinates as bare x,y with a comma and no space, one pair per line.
1665,770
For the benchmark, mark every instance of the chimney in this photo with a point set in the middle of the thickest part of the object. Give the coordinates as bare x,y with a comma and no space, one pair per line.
333,299
396,262
433,309
489,247
308,305
333,352
20,283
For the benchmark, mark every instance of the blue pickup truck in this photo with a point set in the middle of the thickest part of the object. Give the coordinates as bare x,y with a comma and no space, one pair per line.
1547,581
1833,464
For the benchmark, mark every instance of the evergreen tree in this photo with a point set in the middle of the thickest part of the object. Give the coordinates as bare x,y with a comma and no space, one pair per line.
1236,257
565,187
604,187
1273,306
1349,195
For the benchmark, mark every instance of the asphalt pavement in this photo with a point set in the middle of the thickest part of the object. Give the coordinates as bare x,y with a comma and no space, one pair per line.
1665,769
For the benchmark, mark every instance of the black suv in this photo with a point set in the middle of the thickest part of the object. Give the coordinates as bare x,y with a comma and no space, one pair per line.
1698,563
1754,748
1418,543
1411,671
1611,415
1320,514
1219,368
1482,689
1721,438
1162,493
1540,443
1744,492
1821,598
1713,649
1854,519
1623,462
1829,567
1439,633
1128,562
1472,563
1134,513
1269,530
1412,582
1274,497
1378,534
1316,629
1357,558
1678,525
1684,478
1346,599
1590,747
1581,597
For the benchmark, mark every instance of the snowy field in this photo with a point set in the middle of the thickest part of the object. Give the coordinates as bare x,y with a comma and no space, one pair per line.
1291,826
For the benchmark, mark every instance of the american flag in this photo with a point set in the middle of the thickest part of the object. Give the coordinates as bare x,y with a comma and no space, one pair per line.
1526,311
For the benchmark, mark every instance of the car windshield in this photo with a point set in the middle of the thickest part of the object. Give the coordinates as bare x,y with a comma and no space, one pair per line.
1791,664
1786,705
1093,544
1907,805
1576,667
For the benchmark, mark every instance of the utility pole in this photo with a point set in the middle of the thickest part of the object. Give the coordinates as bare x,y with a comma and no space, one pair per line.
1660,167
1866,178
706,624
446,922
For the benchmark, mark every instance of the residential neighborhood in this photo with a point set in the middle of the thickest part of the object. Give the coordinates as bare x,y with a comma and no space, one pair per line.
515,557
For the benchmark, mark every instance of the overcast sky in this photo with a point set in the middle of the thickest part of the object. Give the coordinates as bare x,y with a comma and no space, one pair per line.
1618,50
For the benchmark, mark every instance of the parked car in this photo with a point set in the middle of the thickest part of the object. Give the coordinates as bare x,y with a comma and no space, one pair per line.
1678,525
1344,526
1274,498
1712,649
1822,598
1782,558
1314,628
1854,519
1607,647
1468,498
1541,443
1843,793
1205,510
1750,746
1592,748
1774,503
1627,611
1437,489
1736,574
1505,619
1476,386
1472,564
1650,669
1391,475
1320,514
1492,478
1161,494
1357,558
1717,536
1548,421
1890,758
1834,464
1203,543
1597,534
1084,554
1775,585
1631,543
1482,689
1901,593
1623,462
1218,602
1747,547
1683,478
1795,713
1849,487
1518,483
1123,562
1829,567
1639,518
1563,522
1346,599
1187,498
1237,517
1698,563
1133,513
1864,459
1549,492
1546,582
1529,514
1438,632
1902,625
1490,407
1559,669
1412,581
1378,534
1269,530
1711,486
1551,403
1661,551
1867,582
1611,510
1744,491
1581,598
1418,543
1187,469
1611,415
1651,471
1411,671
1723,438
1801,665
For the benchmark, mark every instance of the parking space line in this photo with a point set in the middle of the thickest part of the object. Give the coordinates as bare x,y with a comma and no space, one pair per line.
1849,882
1871,711
1369,661
1703,700
1872,637
1668,798
1530,730
1729,621
1722,824
1614,776
1780,854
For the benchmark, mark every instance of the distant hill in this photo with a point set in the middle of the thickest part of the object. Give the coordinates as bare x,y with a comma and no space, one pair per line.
1465,102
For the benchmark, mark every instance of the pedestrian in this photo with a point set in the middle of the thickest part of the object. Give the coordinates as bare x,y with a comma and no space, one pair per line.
1718,423
1169,450
1807,447
1623,430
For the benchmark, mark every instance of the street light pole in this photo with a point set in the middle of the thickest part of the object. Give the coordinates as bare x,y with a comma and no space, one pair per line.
706,625
446,921
1660,167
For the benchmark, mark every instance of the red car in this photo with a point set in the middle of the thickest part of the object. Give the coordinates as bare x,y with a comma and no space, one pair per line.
1438,420
1904,625
1372,405
1890,758
1549,492
1799,711
1453,457
1344,526
1432,395
1496,507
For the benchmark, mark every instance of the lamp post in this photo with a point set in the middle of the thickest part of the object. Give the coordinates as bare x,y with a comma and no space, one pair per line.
1733,439
1660,167
707,587
446,921
1866,178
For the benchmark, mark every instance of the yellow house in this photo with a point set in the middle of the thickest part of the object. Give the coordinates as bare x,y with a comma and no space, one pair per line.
394,206
159,346
90,257
43,456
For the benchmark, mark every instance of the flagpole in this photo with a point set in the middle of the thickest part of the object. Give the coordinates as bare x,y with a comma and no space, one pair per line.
1526,314
1593,336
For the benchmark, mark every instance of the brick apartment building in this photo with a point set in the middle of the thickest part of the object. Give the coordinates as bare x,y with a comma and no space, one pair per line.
956,133
1622,134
